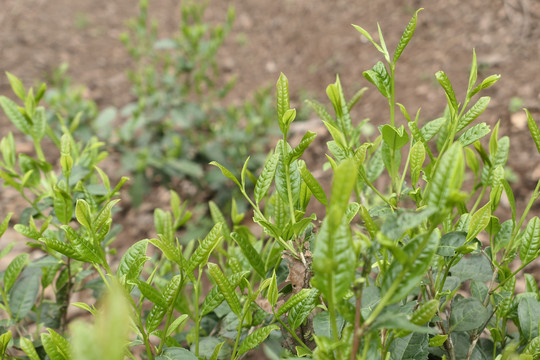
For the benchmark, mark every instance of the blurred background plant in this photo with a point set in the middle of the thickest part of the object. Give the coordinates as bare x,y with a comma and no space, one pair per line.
178,122
180,118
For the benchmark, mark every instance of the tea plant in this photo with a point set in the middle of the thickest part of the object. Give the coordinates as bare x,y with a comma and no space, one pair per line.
396,272
177,125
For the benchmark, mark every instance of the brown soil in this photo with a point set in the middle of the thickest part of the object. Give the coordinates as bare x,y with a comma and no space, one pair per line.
310,41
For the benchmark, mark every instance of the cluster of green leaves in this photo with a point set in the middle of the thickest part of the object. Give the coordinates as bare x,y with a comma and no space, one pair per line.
397,272
177,124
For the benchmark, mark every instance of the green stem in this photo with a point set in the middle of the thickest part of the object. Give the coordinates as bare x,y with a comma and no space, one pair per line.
392,100
239,332
196,289
293,333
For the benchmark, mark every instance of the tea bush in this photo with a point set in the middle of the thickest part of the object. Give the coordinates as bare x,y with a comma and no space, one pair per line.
396,272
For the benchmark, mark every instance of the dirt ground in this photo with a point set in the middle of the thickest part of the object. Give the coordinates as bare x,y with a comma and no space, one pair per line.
310,41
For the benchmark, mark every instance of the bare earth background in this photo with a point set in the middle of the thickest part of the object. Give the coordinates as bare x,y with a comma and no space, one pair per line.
310,41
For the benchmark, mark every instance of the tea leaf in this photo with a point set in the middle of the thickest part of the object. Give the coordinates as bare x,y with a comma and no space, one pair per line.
255,338
313,185
475,111
307,139
379,77
151,293
417,265
62,345
530,241
448,177
17,86
431,129
13,114
473,134
225,288
487,82
5,223
272,290
355,98
533,347
133,260
205,248
50,347
83,214
214,297
63,206
250,253
104,214
226,172
176,323
300,311
418,156
533,129
479,221
321,111
63,248
286,121
293,301
172,289
13,270
447,87
176,353
83,246
267,176
282,89
473,74
475,267
414,346
406,37
284,179
467,314
368,36
155,317
333,263
23,295
29,349
529,315
395,138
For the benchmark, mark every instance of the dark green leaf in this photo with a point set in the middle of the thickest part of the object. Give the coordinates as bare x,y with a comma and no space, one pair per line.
13,270
467,314
23,295
176,353
475,267
414,347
